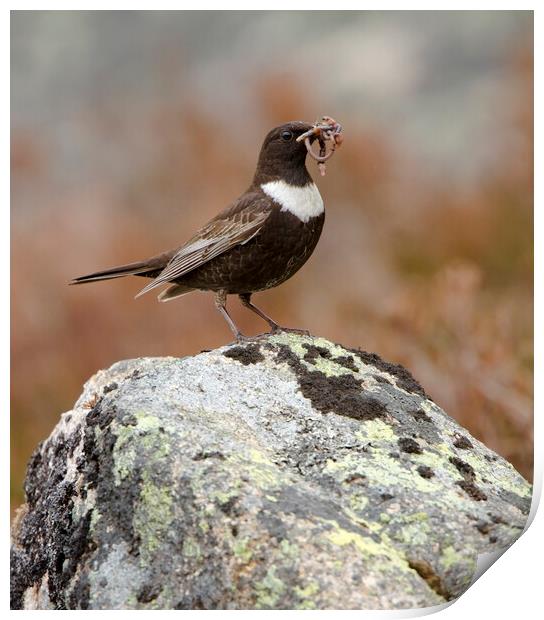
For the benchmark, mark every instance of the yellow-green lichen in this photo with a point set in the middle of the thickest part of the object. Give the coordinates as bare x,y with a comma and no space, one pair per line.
269,590
153,515
416,517
358,502
381,470
191,548
325,365
153,511
415,534
95,517
242,549
328,367
224,497
289,550
430,458
294,342
124,453
449,557
375,431
366,545
261,471
502,474
146,435
258,457
307,596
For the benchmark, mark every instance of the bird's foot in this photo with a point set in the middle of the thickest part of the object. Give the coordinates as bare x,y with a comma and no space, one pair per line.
290,330
240,338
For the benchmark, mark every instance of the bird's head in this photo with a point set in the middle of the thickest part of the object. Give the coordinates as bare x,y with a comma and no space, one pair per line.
281,142
284,150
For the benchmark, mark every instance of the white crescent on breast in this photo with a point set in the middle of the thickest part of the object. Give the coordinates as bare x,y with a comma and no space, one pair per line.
303,202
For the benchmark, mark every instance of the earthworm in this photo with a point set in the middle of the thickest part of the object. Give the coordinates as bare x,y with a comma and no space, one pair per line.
326,130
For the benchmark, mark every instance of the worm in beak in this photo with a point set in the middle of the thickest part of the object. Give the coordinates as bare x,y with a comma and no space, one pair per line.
326,130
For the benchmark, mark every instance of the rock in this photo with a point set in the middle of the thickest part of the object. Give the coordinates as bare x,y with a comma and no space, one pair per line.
288,472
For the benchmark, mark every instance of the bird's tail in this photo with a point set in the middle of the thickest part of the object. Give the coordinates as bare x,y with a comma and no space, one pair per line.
174,291
116,272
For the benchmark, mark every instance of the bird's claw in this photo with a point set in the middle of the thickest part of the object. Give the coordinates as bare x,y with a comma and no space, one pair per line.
289,330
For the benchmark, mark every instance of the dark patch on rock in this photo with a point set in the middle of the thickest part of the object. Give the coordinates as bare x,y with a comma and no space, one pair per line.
309,506
467,484
313,352
149,592
462,442
483,527
420,416
211,454
98,471
246,355
409,445
523,504
73,441
191,602
472,490
128,420
230,506
309,457
342,394
426,572
404,379
328,482
493,539
463,468
273,524
425,471
355,478
381,379
110,387
386,496
497,519
21,576
80,593
48,519
101,417
346,361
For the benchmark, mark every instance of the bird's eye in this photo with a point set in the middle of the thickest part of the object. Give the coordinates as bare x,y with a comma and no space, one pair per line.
286,135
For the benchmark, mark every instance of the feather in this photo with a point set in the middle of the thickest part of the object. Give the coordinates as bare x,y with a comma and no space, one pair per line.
174,291
233,227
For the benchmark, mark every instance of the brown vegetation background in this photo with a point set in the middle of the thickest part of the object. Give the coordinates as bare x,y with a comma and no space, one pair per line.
127,134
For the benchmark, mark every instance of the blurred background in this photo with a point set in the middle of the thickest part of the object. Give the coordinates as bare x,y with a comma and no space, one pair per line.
131,129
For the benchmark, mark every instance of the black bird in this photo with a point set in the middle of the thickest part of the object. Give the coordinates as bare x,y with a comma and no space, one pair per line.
260,240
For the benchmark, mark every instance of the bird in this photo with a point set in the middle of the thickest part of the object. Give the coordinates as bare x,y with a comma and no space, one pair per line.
260,240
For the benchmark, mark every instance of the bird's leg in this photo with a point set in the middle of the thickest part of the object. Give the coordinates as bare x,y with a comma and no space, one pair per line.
221,305
245,298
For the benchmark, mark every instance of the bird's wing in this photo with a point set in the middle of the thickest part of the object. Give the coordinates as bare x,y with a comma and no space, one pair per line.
235,226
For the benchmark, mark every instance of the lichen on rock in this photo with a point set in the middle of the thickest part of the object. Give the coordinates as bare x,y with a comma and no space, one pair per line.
284,473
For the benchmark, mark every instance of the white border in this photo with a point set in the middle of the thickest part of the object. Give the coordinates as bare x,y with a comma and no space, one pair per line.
512,585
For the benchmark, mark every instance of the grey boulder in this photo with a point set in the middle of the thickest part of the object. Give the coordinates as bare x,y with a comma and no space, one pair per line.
283,473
